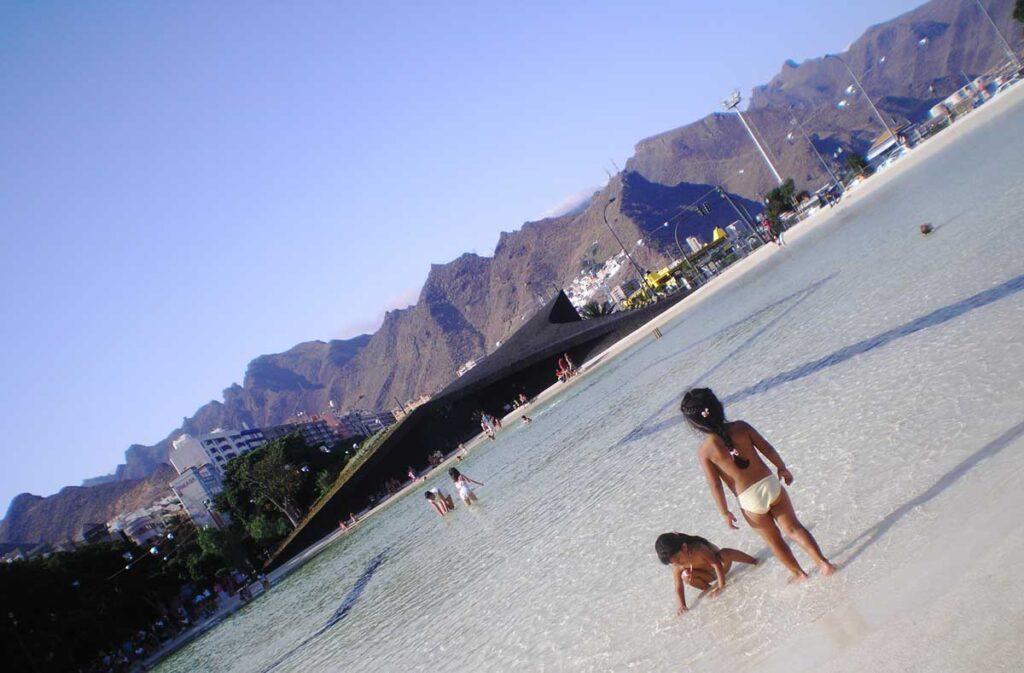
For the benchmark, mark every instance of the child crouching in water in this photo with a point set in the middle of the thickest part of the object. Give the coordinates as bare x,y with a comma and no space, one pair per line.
441,501
697,562
732,454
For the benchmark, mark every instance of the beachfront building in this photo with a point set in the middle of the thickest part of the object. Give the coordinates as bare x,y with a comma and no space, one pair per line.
195,489
362,423
94,533
215,448
143,526
965,99
622,292
469,364
314,433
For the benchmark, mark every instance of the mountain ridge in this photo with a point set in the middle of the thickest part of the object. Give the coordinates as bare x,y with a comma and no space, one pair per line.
468,305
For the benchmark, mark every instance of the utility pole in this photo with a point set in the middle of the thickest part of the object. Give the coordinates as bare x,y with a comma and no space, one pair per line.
1006,45
604,214
828,170
865,92
731,103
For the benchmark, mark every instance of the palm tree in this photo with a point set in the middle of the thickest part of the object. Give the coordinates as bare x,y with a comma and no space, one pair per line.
596,309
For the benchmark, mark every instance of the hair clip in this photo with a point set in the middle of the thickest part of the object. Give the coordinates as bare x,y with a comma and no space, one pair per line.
705,413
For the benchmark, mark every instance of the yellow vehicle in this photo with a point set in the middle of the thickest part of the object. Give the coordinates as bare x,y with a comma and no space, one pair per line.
662,280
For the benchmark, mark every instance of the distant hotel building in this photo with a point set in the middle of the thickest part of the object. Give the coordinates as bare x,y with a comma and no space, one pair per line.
196,488
214,448
315,433
696,245
200,463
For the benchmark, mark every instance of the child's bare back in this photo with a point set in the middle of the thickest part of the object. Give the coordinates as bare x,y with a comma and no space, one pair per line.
732,454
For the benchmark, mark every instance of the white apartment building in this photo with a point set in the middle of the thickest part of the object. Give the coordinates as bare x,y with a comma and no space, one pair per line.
196,488
214,448
695,243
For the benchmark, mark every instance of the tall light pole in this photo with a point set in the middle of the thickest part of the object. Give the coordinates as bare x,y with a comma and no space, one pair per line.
1006,45
817,154
731,103
865,92
604,214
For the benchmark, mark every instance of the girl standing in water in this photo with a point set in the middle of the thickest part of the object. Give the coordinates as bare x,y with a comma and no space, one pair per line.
732,454
462,483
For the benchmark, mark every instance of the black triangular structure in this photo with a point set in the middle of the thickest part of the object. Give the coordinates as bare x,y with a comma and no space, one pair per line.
525,362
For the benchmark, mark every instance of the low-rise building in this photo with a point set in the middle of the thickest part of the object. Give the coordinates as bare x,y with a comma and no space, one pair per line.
143,526
622,292
94,533
469,364
195,489
362,423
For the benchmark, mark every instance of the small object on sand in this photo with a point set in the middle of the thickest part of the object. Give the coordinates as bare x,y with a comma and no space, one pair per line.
926,228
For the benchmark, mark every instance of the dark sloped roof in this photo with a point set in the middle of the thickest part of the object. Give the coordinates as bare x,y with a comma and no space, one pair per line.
551,331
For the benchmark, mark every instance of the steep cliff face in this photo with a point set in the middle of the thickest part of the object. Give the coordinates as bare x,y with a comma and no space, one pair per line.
907,65
31,518
470,304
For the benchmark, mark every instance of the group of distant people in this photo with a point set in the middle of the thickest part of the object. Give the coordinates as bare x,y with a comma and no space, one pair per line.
566,369
490,425
773,230
443,503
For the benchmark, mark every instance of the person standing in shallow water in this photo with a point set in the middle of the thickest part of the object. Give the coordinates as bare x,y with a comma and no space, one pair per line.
732,454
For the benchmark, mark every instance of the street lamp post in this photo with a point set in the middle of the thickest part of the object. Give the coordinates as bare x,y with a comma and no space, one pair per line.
1006,45
827,168
865,92
731,103
636,267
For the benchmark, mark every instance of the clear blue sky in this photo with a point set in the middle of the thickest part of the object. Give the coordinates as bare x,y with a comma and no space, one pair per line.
185,186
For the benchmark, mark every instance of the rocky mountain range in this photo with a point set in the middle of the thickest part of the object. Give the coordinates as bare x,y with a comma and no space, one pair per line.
31,518
470,304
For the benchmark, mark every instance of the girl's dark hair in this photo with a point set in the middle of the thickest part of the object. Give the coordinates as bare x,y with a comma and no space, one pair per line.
668,544
428,495
704,411
453,473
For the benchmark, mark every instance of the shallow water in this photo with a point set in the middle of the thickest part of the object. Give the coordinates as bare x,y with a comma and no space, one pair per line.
886,367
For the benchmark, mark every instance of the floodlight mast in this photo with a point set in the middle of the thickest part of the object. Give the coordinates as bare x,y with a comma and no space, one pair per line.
732,103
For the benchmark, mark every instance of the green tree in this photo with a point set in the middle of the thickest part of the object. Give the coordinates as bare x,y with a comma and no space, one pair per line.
858,164
1018,11
266,530
779,200
324,482
267,476
267,490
